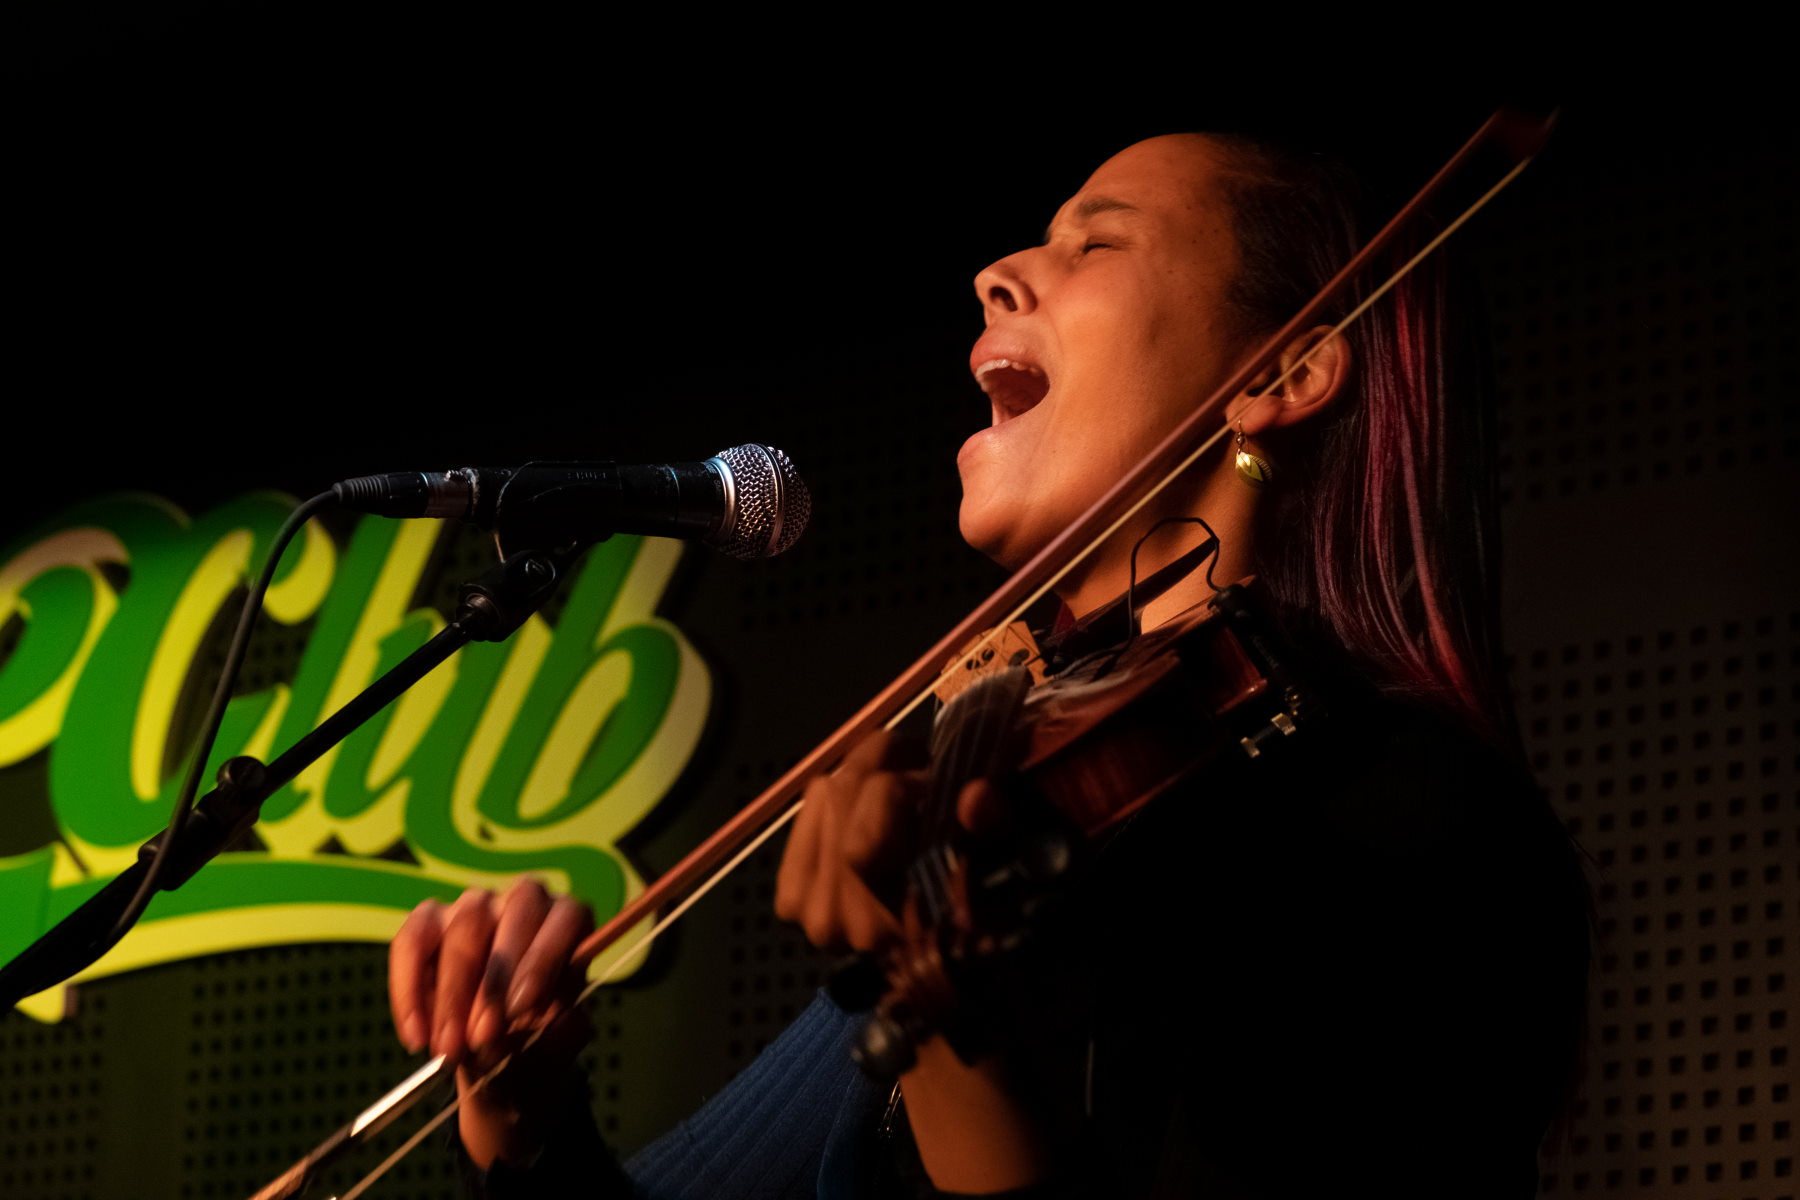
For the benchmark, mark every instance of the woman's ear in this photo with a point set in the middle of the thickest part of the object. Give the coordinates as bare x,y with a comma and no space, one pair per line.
1316,369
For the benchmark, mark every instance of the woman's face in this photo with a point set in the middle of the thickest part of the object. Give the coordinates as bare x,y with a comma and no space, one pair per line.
1098,342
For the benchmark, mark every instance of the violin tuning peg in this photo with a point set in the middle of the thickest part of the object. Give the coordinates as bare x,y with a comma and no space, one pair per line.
1048,857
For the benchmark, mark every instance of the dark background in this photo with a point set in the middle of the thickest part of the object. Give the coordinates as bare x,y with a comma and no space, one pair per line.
475,231
273,245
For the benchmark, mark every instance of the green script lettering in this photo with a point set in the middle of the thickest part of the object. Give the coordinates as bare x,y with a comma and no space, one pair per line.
532,755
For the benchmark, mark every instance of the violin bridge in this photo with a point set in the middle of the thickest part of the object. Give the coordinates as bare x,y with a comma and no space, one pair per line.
1011,647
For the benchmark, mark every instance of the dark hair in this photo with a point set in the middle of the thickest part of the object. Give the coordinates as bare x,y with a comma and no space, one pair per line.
1380,533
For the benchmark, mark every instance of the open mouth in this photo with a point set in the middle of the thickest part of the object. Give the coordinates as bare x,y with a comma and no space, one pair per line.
1014,387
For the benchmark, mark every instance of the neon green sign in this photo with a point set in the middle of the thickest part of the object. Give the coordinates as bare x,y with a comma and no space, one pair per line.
535,754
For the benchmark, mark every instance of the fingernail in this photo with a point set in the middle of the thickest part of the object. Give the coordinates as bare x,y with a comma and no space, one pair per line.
487,1027
517,996
415,1033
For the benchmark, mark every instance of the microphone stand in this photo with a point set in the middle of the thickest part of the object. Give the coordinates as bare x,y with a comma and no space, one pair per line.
489,609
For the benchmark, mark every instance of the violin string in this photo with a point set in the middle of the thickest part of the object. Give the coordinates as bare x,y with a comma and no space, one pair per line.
981,643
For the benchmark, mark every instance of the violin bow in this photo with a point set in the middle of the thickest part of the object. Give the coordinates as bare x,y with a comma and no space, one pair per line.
1518,135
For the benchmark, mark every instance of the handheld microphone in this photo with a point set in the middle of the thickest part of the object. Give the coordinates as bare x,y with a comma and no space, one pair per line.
747,501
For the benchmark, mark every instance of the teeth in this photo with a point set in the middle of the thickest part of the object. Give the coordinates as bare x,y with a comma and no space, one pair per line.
1014,387
1002,364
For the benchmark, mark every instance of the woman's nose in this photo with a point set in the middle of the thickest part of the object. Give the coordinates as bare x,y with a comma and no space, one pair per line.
1002,289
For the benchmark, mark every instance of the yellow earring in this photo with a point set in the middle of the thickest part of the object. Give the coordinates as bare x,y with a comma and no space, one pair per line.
1253,469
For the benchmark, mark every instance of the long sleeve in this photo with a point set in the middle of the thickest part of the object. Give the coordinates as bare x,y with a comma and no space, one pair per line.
791,1126
792,1118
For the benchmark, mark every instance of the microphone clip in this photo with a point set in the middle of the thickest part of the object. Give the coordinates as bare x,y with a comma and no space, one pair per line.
490,607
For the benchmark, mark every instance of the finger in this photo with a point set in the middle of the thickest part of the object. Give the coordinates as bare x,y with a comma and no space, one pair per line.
412,974
462,963
875,847
570,1028
818,914
519,912
518,915
809,844
868,755
872,831
534,1083
979,806
800,860
867,924
546,962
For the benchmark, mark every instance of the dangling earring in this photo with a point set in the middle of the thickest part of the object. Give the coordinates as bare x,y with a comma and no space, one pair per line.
1253,469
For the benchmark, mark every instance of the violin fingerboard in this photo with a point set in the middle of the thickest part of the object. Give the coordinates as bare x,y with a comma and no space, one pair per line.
975,738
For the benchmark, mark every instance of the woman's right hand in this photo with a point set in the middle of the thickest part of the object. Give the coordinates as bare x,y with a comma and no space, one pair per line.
472,981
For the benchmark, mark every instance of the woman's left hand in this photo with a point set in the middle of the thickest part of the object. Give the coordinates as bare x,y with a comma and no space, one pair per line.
840,880
848,850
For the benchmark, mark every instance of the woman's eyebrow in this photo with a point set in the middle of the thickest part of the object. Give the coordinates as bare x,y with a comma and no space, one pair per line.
1093,206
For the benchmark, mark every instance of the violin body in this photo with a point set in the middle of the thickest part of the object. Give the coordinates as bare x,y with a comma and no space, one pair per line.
1116,729
984,917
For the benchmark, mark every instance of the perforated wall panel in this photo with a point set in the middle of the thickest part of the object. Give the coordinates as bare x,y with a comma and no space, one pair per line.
1651,436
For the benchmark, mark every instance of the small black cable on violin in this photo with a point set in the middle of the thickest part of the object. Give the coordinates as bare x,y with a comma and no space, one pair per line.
1207,551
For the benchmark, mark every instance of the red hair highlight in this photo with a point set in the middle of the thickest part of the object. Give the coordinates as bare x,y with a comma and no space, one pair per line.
1379,536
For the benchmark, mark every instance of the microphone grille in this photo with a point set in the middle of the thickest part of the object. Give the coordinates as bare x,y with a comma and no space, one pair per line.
767,503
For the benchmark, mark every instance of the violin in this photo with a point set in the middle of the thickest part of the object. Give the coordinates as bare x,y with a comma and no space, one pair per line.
1242,678
1090,747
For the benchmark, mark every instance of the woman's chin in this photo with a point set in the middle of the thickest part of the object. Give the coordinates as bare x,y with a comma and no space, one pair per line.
983,530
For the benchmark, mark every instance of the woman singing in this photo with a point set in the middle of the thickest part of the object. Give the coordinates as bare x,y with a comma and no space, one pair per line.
1360,963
